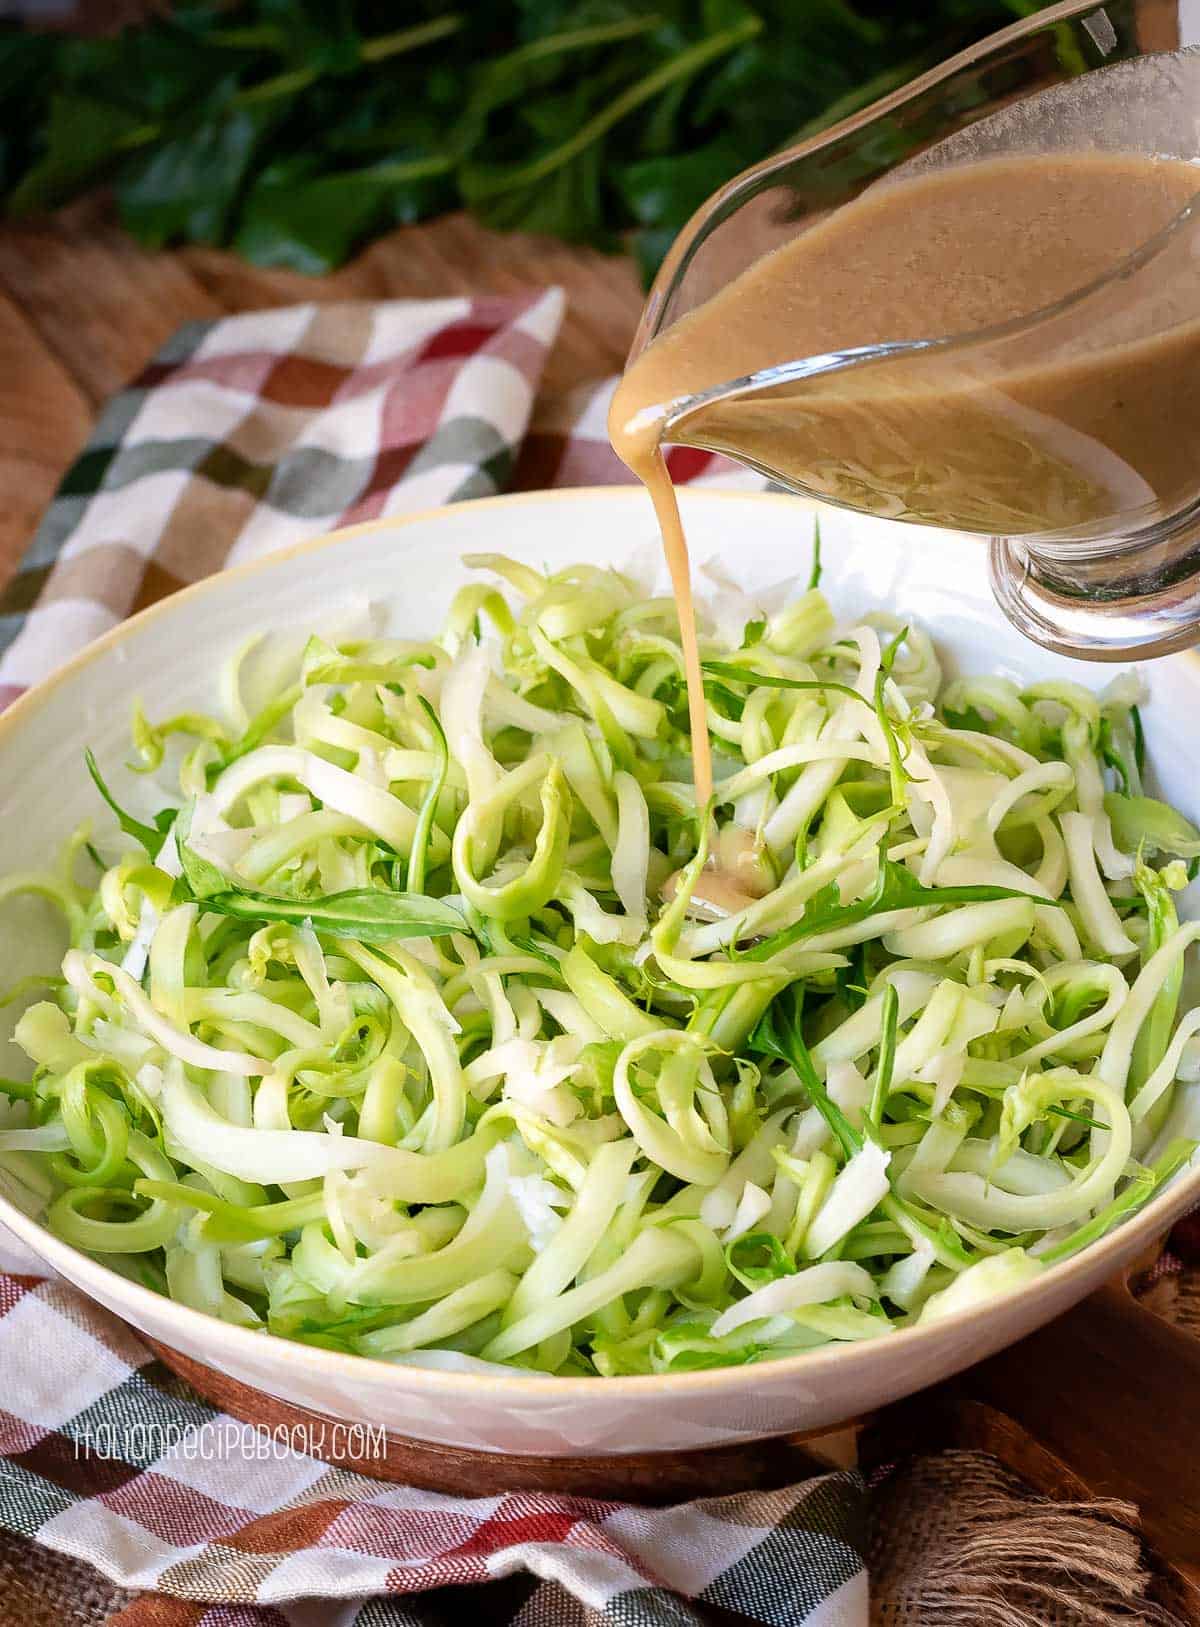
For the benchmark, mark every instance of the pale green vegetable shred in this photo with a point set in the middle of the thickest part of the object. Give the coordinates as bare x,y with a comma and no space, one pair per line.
430,1020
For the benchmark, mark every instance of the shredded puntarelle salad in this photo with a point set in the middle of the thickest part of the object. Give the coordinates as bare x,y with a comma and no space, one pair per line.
432,1021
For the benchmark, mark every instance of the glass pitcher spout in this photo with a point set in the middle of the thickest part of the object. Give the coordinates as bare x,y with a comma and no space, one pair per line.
1016,239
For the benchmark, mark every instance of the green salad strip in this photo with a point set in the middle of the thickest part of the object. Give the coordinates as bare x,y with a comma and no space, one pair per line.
421,1014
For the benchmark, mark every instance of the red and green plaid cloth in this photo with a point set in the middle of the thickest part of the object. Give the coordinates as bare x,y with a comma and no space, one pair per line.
243,436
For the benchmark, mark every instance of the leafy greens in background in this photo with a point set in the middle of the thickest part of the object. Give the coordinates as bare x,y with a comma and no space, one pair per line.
296,129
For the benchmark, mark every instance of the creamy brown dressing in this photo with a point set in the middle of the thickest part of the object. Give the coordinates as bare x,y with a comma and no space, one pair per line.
736,876
1006,437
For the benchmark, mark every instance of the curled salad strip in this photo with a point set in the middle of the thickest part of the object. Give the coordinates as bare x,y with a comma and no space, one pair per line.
431,1020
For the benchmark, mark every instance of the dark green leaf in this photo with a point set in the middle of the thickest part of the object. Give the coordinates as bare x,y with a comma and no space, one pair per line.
730,702
1076,1118
851,979
188,187
86,137
151,837
567,202
780,1033
368,915
895,889
27,63
311,223
581,152
667,191
766,680
316,34
365,913
1139,740
515,76
159,73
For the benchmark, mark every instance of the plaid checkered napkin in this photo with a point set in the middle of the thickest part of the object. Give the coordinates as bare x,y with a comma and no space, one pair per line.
243,436
108,1458
248,434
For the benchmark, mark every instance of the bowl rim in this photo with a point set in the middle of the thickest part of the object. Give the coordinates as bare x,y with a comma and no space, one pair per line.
1125,1240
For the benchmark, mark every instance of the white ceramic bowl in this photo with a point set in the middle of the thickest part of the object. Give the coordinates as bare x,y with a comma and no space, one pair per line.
172,654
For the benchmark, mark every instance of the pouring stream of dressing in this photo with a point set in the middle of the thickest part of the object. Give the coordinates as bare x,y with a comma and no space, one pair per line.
644,456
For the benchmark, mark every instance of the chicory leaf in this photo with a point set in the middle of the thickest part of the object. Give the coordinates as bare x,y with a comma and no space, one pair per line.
151,837
895,889
780,1033
365,914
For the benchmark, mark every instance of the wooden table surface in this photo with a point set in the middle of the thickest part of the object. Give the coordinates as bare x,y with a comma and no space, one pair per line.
82,309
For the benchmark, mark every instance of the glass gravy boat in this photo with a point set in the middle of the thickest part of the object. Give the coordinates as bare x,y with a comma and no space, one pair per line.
1104,561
